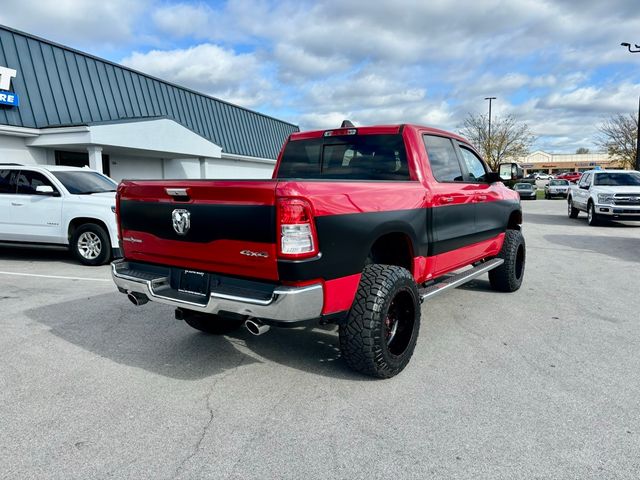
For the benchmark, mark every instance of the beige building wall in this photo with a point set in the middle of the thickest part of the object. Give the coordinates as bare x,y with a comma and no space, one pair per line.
540,161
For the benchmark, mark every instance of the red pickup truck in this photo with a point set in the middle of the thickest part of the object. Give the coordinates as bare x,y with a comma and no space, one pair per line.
357,227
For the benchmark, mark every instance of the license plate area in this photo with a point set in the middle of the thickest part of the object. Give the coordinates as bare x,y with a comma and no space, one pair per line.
193,283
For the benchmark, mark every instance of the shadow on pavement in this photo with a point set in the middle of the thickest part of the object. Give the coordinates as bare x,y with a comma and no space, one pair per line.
477,285
563,219
37,254
622,248
151,339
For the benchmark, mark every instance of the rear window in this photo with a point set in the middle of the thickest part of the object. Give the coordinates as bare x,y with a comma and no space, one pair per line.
349,157
558,182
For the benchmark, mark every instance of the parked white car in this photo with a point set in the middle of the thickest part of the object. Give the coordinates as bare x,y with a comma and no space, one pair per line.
556,188
606,194
543,176
58,205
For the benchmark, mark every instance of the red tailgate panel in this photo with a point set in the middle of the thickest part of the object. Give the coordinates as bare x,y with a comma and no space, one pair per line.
232,225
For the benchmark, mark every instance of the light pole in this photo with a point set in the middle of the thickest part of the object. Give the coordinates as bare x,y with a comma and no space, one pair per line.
489,136
637,50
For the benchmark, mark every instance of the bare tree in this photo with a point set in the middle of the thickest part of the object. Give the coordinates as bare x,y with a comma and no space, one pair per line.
509,140
582,151
618,136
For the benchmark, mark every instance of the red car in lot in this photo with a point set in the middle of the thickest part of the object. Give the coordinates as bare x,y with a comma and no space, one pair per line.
573,177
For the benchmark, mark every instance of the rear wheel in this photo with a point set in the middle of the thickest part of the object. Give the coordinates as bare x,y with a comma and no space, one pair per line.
508,276
210,323
381,331
571,210
90,244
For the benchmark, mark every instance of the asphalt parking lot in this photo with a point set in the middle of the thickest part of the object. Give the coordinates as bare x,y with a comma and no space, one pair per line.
542,383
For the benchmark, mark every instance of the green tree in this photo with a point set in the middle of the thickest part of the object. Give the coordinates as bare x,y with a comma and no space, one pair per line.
618,137
509,140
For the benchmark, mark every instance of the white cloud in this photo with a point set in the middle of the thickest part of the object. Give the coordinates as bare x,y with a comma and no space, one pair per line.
236,78
183,19
86,22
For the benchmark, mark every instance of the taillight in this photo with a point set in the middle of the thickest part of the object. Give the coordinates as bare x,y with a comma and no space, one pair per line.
296,229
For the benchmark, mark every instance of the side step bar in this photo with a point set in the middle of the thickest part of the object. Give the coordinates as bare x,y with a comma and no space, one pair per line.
459,279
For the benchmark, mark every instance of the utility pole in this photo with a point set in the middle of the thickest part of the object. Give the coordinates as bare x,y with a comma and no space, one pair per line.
637,50
489,136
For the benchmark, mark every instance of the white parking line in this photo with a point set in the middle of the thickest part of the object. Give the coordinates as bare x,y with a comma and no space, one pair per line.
56,277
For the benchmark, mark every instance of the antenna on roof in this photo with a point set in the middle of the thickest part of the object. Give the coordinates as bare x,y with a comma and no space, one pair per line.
347,124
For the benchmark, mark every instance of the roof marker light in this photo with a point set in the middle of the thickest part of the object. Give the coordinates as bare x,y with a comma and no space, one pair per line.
341,131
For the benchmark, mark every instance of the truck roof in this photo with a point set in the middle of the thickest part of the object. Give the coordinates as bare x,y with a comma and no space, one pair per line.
378,130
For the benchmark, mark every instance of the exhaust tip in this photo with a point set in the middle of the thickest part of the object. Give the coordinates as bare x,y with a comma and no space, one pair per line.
138,299
255,327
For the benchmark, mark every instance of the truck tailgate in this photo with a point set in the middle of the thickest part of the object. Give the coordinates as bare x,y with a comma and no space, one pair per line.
222,226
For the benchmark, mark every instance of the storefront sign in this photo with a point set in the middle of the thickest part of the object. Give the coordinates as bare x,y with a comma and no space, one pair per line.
6,96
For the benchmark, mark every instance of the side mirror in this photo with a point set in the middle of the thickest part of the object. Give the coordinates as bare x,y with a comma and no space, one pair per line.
45,190
510,171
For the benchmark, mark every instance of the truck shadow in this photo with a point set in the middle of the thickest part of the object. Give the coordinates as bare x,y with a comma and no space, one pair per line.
622,248
151,339
37,254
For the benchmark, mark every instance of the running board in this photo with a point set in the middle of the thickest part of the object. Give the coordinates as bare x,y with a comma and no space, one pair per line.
459,279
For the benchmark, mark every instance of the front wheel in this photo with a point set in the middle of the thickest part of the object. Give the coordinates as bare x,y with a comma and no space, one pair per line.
381,330
508,276
592,216
90,244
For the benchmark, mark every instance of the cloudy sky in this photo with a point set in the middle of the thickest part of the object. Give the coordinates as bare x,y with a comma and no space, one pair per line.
555,64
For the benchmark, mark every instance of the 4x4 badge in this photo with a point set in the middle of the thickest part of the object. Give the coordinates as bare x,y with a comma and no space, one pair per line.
181,220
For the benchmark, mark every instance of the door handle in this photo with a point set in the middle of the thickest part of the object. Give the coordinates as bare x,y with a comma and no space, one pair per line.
446,199
481,198
16,204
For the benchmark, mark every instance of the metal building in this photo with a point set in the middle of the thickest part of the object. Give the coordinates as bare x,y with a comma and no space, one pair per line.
62,106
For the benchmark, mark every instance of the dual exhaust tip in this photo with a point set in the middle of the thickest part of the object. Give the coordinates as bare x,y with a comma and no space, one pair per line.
138,299
254,326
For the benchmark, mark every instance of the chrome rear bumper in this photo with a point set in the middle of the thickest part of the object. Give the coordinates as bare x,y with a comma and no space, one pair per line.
285,304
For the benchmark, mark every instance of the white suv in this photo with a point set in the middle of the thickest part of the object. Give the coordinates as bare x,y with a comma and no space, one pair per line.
41,204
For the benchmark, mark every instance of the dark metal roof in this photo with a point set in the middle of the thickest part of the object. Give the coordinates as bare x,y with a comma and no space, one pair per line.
59,86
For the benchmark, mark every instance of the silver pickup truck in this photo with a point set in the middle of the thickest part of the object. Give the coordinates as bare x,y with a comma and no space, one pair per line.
606,194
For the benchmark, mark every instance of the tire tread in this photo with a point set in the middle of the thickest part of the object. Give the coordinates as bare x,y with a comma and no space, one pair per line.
361,336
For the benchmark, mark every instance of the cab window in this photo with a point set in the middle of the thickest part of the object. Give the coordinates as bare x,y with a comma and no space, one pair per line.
584,181
29,181
475,166
8,181
443,159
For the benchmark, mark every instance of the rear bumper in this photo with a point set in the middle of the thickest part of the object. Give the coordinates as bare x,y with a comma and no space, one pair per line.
281,305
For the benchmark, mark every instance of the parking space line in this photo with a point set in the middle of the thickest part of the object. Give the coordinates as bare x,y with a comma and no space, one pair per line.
57,277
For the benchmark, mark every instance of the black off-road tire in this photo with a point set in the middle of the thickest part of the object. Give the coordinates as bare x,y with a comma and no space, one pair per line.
369,342
593,219
91,245
211,323
547,196
571,210
508,276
